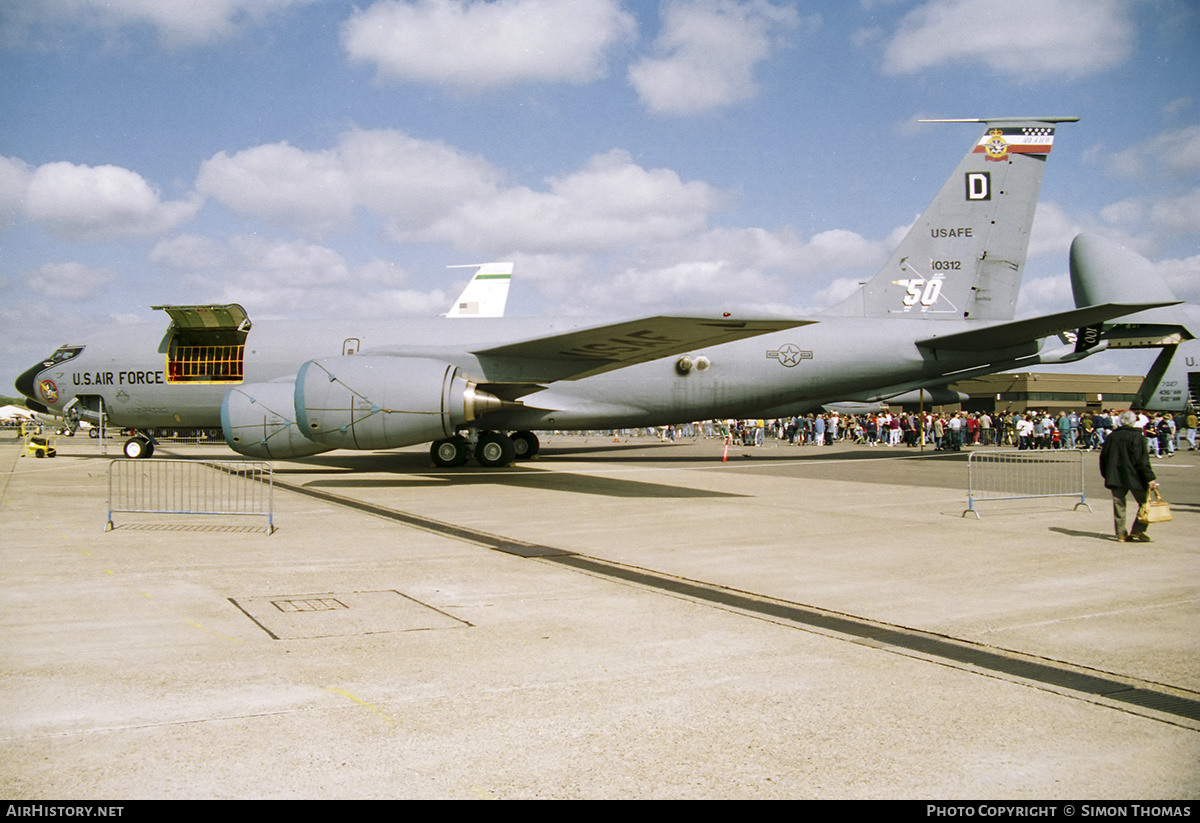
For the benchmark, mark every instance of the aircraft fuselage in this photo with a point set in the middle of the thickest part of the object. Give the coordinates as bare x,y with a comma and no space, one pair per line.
778,373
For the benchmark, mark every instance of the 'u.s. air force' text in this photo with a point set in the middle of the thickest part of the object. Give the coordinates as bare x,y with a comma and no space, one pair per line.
120,378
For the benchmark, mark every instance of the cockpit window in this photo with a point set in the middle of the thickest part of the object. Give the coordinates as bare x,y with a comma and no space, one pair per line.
63,354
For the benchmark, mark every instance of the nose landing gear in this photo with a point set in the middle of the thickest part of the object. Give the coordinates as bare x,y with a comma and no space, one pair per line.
138,446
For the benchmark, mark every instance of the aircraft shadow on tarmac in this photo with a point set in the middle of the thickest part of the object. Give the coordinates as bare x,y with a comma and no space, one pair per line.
412,470
530,479
641,453
746,453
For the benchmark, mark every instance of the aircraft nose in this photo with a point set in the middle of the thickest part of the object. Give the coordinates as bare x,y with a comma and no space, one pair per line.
24,383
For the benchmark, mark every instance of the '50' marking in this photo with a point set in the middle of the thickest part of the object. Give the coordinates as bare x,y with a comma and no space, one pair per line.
920,290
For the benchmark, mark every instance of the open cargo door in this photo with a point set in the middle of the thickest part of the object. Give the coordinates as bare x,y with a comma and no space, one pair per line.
206,344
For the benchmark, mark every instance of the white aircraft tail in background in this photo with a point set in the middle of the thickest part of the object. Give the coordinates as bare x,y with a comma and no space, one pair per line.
487,292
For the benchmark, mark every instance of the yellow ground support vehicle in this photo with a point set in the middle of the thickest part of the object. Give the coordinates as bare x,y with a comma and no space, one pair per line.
39,445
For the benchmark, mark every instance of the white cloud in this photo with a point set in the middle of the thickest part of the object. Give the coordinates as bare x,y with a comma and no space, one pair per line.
426,191
1177,215
612,202
693,282
1183,277
254,261
281,183
1045,295
295,264
1159,219
839,289
477,45
1177,152
707,52
410,182
189,252
1053,230
413,182
68,281
100,203
750,269
14,180
1165,216
1129,212
1023,39
178,22
784,251
279,278
839,249
24,335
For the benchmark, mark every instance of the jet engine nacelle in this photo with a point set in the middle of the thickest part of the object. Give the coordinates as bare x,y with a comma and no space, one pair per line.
384,402
259,420
936,396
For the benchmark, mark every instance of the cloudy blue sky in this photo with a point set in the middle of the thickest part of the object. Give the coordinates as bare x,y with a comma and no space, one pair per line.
319,158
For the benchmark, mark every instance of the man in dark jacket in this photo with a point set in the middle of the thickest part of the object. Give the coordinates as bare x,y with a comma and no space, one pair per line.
1125,464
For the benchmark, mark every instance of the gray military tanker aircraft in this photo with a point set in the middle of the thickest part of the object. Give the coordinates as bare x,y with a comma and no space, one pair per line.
941,308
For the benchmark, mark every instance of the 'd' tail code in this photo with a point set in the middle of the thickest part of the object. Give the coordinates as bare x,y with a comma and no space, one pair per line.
965,255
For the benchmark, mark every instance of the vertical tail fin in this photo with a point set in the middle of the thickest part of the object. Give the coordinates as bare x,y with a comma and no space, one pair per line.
486,294
965,255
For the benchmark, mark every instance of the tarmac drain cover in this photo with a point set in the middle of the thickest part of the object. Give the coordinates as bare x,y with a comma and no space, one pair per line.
338,614
309,604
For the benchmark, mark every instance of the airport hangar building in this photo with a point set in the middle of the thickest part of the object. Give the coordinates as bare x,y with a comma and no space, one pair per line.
1025,391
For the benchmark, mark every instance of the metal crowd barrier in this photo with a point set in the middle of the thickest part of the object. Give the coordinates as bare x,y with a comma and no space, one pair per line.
1017,475
191,487
164,438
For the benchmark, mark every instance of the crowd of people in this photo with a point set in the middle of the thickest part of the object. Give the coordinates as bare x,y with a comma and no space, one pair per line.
1165,434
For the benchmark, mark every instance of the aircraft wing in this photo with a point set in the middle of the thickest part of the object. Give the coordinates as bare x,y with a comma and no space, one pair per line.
584,352
1016,332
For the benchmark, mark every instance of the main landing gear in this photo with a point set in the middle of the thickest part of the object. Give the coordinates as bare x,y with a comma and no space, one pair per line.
490,449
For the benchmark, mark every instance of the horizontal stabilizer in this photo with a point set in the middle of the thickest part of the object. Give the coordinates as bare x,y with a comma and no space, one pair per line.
1103,271
1145,335
1106,272
1005,335
584,352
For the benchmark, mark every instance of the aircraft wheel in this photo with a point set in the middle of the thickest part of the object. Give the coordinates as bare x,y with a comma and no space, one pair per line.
93,433
136,447
494,450
449,452
526,445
